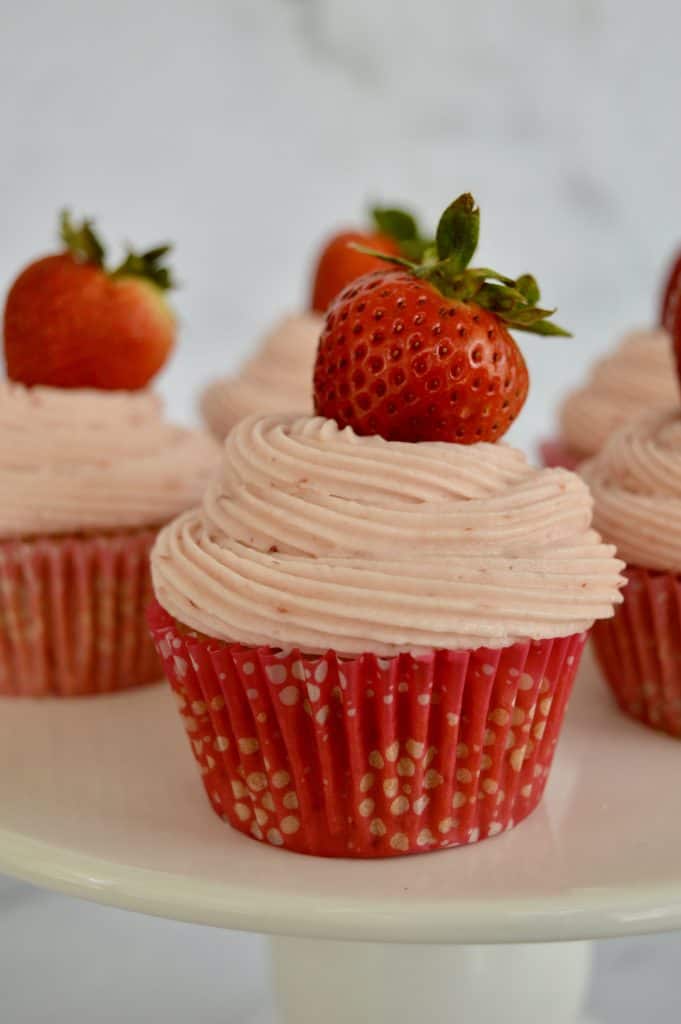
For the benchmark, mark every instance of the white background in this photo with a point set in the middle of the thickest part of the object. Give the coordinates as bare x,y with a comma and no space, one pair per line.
244,131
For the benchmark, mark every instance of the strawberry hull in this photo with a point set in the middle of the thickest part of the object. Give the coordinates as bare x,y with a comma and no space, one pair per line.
639,649
369,757
72,619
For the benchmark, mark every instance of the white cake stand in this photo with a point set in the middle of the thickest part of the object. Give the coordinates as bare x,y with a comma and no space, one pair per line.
99,798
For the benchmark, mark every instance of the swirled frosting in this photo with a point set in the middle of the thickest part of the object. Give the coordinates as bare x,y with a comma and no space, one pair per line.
275,379
314,537
77,461
638,375
636,484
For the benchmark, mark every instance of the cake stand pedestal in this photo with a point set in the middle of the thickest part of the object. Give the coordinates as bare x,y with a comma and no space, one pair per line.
99,798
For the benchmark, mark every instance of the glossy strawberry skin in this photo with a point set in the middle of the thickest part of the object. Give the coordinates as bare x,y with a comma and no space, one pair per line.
70,325
339,264
398,359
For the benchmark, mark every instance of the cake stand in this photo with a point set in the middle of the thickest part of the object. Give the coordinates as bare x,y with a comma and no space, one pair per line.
99,798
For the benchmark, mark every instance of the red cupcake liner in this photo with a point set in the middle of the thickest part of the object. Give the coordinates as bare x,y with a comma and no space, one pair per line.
368,756
639,649
556,453
72,615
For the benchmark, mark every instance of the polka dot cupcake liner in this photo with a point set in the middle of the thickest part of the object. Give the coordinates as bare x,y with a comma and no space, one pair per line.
72,615
639,649
369,757
556,453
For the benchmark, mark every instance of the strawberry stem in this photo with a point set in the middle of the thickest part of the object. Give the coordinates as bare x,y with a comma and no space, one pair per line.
85,246
81,240
446,267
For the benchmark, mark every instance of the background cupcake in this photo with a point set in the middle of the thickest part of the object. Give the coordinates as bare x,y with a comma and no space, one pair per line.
278,376
637,376
636,483
373,638
88,471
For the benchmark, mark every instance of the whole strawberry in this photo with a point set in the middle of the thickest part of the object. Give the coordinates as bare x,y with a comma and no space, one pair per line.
422,352
71,323
394,233
671,309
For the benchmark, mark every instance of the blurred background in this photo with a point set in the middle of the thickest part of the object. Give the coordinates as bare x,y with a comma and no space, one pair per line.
245,132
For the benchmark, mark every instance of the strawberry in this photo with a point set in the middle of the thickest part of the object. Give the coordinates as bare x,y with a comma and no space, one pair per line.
423,352
70,323
671,307
394,233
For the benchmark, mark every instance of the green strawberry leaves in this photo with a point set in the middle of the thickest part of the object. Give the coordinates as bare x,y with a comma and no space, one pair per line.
403,228
457,233
85,246
81,240
148,265
397,224
445,265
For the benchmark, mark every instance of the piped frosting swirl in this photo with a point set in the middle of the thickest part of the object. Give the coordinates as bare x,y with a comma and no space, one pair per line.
277,378
636,376
314,537
78,461
636,484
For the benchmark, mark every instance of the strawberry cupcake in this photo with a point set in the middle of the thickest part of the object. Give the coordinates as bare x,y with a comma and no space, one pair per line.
277,378
88,471
373,620
636,376
636,484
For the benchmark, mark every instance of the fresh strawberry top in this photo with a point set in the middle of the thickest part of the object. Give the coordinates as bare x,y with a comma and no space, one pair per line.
70,322
422,351
393,232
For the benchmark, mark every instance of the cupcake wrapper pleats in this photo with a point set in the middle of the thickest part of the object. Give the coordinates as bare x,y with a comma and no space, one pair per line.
639,649
72,615
368,756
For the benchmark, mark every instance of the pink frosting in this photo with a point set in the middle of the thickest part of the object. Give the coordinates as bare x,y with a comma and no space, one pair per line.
636,483
76,461
276,379
638,375
313,537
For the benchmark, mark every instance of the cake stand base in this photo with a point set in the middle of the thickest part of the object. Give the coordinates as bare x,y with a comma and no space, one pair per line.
346,983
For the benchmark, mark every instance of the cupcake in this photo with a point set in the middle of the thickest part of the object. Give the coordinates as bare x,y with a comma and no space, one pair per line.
636,483
636,376
277,378
88,474
372,632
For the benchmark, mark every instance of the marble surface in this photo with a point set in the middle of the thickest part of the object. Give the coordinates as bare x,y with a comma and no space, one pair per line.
244,131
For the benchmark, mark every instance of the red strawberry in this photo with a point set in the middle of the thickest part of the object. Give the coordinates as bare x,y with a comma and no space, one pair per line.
395,233
70,323
423,352
671,307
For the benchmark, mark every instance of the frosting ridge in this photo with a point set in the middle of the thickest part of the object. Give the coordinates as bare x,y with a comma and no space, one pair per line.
637,375
81,460
636,483
276,378
313,537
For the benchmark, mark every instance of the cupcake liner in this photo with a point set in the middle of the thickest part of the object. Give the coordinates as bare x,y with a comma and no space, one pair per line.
368,756
639,649
556,453
72,615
